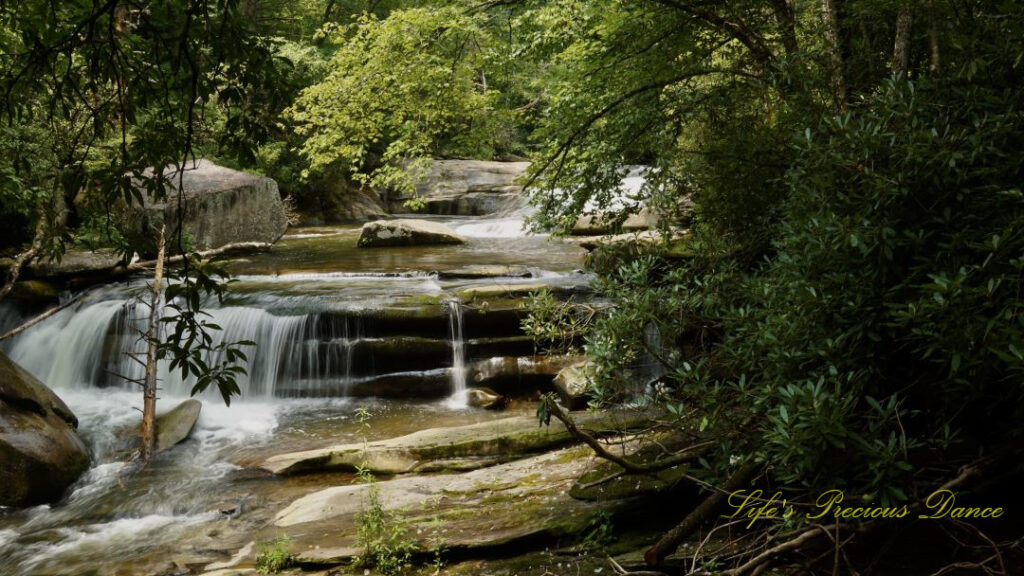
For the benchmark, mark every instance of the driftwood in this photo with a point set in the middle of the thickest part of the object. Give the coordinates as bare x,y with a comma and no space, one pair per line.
143,265
41,317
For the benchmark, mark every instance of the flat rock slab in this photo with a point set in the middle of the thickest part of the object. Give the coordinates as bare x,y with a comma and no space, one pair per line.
460,447
516,290
484,271
517,502
406,232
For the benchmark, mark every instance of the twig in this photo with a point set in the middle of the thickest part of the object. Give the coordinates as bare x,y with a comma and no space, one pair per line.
683,457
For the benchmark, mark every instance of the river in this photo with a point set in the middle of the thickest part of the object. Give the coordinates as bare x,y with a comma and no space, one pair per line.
337,329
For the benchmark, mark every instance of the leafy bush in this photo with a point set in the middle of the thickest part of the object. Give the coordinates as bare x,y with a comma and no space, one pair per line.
382,535
883,325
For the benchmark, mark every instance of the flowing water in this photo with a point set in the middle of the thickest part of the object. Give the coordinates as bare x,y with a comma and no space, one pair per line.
334,326
458,396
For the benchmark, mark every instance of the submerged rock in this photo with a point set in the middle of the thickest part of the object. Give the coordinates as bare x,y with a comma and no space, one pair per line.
406,232
41,453
484,271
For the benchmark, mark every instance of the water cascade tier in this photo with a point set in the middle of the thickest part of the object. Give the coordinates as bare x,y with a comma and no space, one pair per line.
329,319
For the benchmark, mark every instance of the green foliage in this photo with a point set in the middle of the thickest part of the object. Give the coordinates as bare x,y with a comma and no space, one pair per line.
599,534
408,86
556,326
189,343
848,299
275,556
383,535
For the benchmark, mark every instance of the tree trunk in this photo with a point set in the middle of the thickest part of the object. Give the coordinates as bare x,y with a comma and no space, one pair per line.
830,17
901,47
671,540
934,62
152,335
786,21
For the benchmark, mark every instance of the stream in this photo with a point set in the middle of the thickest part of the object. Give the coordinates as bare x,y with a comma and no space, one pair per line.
337,329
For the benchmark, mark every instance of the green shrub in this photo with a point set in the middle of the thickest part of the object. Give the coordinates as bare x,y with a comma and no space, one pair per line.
275,556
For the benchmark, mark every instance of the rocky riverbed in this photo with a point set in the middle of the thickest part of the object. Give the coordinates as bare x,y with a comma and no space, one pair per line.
365,359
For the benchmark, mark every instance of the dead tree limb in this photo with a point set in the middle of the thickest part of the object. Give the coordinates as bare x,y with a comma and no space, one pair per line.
671,540
687,455
149,392
41,317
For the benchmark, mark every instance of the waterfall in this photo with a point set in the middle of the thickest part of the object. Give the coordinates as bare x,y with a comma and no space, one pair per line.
96,344
508,223
458,397
67,351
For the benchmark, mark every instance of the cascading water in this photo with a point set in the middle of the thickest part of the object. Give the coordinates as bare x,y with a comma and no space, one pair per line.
458,344
328,319
97,344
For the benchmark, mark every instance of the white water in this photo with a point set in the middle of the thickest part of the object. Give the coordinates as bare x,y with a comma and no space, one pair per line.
510,223
458,398
96,343
115,511
117,520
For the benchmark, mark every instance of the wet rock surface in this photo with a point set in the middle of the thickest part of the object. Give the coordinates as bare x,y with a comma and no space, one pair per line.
41,453
526,502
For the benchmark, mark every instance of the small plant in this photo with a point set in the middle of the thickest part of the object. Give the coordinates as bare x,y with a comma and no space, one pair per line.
599,532
436,540
382,535
275,556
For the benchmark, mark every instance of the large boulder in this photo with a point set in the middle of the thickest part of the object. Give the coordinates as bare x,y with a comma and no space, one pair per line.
464,187
76,262
406,232
599,224
336,199
221,207
41,453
